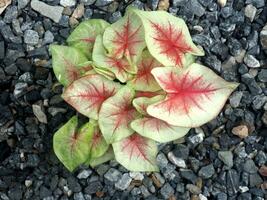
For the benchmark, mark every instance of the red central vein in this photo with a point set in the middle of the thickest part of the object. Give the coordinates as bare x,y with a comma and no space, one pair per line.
136,146
95,96
185,92
144,71
171,42
71,70
126,40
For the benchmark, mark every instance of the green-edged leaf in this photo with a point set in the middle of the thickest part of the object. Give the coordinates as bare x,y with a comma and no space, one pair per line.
136,153
118,66
195,95
144,80
157,129
125,38
109,155
167,37
88,93
141,103
116,114
71,145
83,36
65,61
98,143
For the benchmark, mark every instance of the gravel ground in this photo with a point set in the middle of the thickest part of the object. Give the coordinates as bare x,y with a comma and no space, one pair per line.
225,159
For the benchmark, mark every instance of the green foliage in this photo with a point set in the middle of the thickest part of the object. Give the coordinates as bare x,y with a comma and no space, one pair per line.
137,82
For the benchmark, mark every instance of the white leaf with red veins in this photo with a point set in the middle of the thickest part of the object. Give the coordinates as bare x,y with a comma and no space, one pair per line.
144,80
125,38
155,128
88,93
118,66
167,37
136,153
115,115
195,95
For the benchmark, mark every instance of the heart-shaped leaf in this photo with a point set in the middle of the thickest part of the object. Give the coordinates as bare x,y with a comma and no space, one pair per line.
167,37
98,143
88,93
118,66
136,153
65,61
125,38
155,128
109,155
83,36
144,80
71,145
115,115
195,95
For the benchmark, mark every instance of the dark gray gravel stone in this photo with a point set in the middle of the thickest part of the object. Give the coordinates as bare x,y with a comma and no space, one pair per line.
255,180
197,8
251,61
166,191
15,193
181,151
124,182
11,69
232,182
22,4
235,98
93,187
45,192
2,50
257,3
207,171
226,157
31,37
10,14
262,75
188,175
250,167
113,175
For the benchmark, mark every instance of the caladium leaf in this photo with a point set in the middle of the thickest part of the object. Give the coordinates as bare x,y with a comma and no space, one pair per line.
115,115
158,130
71,145
136,153
125,38
83,36
98,143
195,95
95,70
88,93
144,80
109,155
141,103
65,61
149,94
118,66
167,37
155,128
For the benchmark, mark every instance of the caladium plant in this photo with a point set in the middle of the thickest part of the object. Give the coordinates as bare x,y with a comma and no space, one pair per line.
137,83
